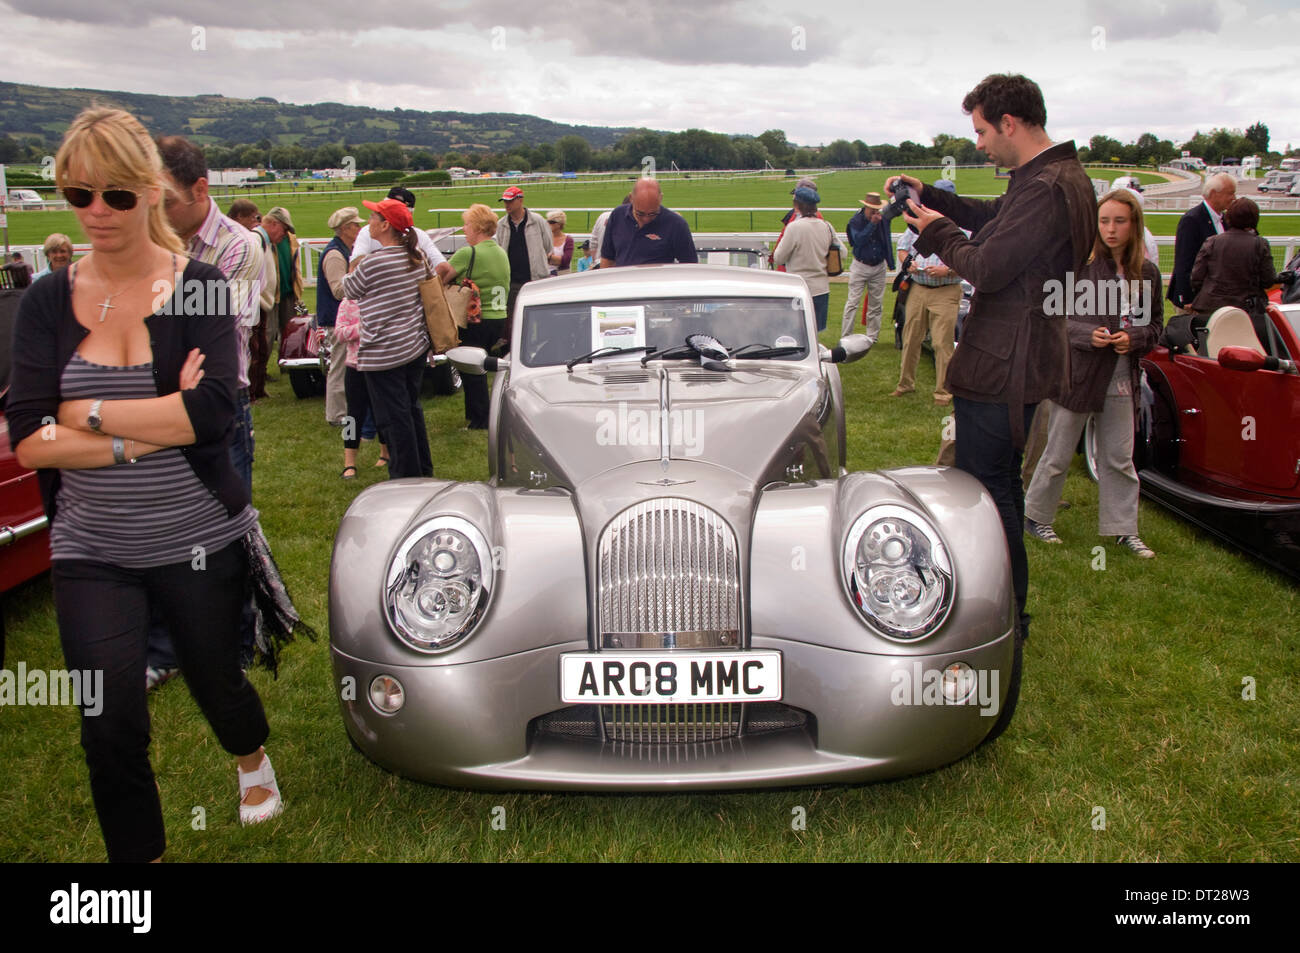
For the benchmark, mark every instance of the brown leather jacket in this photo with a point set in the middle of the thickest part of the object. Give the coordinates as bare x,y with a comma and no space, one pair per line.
1235,268
1011,352
1091,367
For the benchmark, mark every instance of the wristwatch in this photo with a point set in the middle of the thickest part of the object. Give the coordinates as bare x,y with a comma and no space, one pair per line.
93,419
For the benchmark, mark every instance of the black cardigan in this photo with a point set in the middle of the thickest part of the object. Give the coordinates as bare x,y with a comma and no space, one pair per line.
47,334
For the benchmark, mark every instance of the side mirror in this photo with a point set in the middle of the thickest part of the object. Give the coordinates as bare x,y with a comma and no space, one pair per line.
852,348
1240,359
1248,359
475,360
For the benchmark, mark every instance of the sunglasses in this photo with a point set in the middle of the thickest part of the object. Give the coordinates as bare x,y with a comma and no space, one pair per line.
121,199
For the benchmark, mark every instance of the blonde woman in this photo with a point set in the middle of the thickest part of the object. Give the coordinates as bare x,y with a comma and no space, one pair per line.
125,408
58,254
486,264
1105,347
561,244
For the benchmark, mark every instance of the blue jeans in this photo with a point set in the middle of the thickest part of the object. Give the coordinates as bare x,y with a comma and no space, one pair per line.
241,441
986,451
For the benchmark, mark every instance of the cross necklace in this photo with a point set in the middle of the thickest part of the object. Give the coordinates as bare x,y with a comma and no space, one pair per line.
104,305
107,303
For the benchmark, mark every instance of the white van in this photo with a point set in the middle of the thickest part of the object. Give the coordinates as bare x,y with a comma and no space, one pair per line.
24,198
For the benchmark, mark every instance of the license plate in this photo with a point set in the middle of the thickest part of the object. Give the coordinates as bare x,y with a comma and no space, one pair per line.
670,677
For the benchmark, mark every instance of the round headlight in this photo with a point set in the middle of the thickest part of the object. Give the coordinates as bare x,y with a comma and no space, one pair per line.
439,583
898,572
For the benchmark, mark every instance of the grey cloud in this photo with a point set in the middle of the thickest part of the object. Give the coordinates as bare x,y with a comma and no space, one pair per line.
1153,19
665,31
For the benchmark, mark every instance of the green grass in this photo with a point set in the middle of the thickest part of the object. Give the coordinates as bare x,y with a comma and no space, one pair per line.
1132,703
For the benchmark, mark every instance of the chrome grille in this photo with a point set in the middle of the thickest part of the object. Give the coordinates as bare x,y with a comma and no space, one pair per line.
668,566
671,724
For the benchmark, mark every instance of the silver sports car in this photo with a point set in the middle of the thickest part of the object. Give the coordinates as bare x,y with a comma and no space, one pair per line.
670,580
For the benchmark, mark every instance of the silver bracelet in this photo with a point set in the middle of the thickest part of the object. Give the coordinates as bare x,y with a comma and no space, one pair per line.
119,450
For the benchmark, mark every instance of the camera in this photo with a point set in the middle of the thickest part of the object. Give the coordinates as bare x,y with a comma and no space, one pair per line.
900,192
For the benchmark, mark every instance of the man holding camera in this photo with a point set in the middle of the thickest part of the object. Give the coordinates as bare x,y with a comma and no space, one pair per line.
1012,354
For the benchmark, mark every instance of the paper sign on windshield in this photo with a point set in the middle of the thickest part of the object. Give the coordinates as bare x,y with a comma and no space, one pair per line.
620,327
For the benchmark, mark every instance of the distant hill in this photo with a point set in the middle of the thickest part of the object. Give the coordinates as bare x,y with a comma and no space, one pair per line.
46,112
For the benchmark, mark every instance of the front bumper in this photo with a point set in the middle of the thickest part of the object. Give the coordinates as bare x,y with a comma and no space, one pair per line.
468,724
299,364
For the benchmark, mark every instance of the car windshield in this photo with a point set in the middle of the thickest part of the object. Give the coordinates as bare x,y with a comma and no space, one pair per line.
557,333
1293,316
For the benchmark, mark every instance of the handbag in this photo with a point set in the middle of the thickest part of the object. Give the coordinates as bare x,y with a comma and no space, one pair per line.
834,266
437,313
464,299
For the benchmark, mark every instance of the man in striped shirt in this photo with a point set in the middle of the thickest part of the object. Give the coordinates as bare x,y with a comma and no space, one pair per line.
214,239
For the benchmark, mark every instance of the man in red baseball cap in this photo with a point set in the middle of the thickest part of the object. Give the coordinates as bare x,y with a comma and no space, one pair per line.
527,240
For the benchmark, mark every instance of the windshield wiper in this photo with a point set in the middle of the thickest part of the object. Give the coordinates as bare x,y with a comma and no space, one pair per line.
605,352
760,351
672,354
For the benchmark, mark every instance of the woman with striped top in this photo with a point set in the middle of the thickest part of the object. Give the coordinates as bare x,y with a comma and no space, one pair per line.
126,407
394,338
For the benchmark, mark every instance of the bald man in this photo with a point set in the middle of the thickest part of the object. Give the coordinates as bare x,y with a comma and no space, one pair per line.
644,232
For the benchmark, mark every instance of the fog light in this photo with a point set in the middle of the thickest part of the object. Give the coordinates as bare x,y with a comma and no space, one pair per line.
386,694
958,683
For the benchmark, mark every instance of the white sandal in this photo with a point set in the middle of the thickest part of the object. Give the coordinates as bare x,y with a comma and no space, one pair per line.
263,777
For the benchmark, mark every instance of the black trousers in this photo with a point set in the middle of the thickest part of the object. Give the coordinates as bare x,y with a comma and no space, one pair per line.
484,335
986,451
103,616
358,400
395,399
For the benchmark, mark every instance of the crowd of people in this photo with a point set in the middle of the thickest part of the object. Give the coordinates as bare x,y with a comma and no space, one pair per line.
143,403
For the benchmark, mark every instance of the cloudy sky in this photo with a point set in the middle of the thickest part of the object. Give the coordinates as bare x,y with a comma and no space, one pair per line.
819,69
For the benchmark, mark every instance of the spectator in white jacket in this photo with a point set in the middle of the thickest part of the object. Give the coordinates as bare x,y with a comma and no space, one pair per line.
804,247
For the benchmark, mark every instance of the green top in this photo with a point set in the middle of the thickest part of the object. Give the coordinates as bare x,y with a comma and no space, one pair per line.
285,255
491,274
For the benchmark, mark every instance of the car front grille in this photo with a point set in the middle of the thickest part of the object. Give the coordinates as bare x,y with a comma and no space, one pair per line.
668,566
670,724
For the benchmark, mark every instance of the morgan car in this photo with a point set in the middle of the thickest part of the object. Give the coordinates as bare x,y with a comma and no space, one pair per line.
1217,438
670,580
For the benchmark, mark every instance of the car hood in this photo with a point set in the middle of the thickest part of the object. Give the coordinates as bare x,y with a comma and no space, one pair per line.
596,419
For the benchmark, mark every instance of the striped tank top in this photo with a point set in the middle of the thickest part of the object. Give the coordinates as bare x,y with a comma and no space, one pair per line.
150,513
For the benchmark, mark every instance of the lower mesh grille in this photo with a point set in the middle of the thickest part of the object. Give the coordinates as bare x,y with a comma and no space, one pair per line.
670,724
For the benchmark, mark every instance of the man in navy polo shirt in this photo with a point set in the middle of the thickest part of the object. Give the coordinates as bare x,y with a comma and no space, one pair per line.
643,232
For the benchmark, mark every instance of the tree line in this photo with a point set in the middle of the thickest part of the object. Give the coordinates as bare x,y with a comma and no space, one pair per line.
692,149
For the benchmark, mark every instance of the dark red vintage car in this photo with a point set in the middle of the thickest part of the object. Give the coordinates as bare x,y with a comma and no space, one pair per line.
24,531
307,366
1219,432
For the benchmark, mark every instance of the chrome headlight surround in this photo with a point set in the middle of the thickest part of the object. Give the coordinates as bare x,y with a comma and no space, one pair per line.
439,584
898,573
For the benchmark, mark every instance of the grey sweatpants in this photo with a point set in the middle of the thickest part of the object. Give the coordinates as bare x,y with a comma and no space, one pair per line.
1117,506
